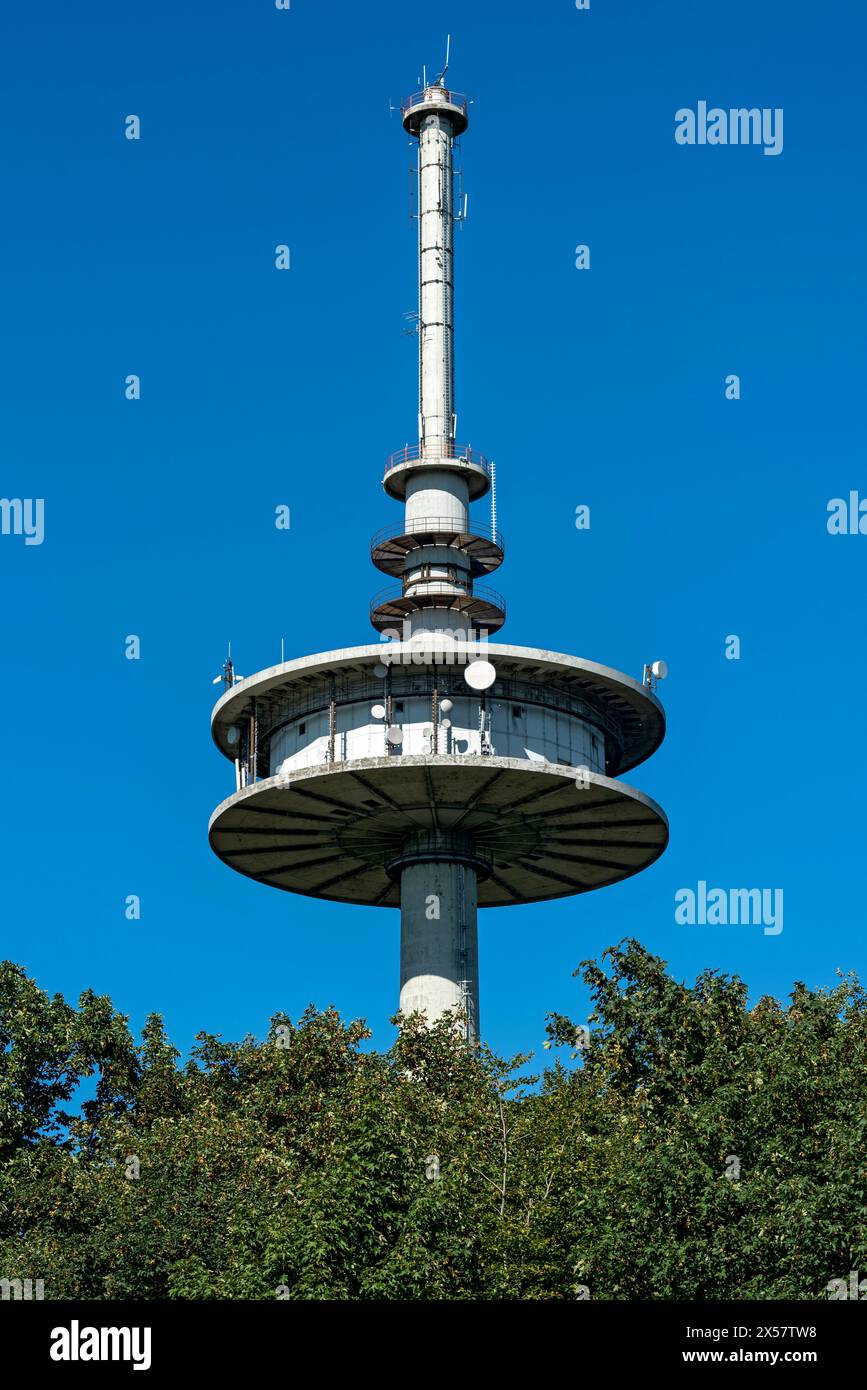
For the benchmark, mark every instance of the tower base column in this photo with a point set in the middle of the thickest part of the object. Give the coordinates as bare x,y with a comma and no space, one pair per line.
439,950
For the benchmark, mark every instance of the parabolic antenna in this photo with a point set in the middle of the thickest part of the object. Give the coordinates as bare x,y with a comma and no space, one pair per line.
659,670
479,675
378,711
233,733
446,706
394,736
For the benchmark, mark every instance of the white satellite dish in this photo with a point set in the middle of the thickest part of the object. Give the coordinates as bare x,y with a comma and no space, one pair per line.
218,680
479,675
446,706
659,670
394,736
378,711
233,733
380,671
427,731
445,723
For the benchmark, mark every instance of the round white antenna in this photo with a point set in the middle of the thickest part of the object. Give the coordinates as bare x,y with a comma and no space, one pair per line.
445,723
479,675
233,733
659,670
380,671
446,706
394,736
378,711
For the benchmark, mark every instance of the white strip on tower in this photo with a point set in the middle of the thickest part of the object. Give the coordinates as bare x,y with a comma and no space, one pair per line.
436,771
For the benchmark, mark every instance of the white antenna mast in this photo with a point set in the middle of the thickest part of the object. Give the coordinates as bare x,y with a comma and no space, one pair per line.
441,80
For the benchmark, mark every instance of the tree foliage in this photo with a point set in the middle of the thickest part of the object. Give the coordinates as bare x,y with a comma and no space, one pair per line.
697,1149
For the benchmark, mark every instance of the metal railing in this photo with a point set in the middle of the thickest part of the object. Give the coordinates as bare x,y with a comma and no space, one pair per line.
441,524
424,99
462,601
420,453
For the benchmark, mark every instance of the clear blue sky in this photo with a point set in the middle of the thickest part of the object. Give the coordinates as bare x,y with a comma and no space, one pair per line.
708,517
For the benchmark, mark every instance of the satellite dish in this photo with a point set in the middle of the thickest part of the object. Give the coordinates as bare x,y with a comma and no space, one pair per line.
394,736
218,680
446,706
233,733
378,711
659,670
380,671
445,723
427,731
479,675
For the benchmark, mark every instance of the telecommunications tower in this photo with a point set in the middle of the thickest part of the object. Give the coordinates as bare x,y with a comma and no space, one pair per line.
436,771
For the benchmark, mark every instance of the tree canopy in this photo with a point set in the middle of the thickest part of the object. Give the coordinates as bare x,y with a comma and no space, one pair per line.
686,1147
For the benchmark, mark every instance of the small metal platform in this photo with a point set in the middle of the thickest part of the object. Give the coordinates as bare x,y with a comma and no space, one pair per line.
390,547
547,832
481,609
434,101
468,463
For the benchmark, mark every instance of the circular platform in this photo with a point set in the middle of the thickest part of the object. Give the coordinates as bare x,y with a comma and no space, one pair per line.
483,608
390,547
631,714
467,463
547,832
434,101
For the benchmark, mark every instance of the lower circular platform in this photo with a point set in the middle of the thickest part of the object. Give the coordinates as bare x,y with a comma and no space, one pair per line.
547,830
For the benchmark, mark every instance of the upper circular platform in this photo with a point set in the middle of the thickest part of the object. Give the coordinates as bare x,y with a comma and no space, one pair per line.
626,707
391,546
331,831
472,466
434,101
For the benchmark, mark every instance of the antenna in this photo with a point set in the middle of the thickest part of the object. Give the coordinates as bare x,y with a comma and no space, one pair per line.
654,671
440,82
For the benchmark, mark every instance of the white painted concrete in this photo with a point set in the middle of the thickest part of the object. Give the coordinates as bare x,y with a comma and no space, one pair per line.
515,731
439,941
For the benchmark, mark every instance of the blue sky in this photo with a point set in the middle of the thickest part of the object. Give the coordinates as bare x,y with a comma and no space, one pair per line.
259,387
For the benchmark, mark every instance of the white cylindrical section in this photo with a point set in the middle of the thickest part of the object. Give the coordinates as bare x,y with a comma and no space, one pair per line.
439,951
436,284
437,493
529,732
